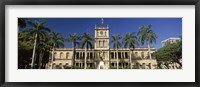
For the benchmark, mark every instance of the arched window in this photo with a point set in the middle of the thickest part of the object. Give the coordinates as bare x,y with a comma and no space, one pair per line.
54,56
142,54
77,55
105,33
54,66
137,65
143,65
112,55
61,55
99,43
66,66
136,53
67,54
60,66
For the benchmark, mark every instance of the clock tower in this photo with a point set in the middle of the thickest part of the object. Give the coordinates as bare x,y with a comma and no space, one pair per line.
102,36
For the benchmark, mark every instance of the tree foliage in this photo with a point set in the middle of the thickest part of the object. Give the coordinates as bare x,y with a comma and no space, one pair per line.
169,54
44,40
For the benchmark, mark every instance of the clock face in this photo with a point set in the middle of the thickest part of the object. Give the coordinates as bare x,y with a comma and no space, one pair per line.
101,33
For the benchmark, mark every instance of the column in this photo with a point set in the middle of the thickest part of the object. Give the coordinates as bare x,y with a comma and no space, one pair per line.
74,56
79,55
93,55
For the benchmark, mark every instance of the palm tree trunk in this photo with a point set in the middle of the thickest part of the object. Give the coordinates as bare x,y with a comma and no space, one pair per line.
85,66
150,56
40,59
33,55
117,60
130,59
73,58
52,55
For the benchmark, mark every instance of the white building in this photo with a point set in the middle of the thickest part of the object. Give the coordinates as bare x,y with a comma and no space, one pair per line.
170,41
137,57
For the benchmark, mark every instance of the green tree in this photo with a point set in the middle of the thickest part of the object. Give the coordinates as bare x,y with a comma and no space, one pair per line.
25,48
116,44
55,40
73,38
130,41
87,42
43,48
169,54
149,36
22,22
39,31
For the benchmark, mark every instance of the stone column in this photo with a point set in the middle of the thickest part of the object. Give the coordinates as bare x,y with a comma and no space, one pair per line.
93,54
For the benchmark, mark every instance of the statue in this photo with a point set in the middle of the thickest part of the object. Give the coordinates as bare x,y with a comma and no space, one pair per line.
101,56
101,62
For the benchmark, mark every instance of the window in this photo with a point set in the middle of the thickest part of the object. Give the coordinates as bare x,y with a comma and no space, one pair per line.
137,65
60,66
91,55
126,54
112,64
143,65
66,66
57,67
112,55
136,53
61,55
53,66
55,54
99,43
142,54
88,55
119,55
77,55
67,54
83,55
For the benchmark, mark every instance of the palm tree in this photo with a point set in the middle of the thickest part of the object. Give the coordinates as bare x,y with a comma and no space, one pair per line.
39,31
116,44
129,41
22,22
87,42
55,40
149,36
73,39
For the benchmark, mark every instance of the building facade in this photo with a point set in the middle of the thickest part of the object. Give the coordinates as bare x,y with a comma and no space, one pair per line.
170,41
137,58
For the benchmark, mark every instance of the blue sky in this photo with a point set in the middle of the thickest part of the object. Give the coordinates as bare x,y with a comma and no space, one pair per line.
163,27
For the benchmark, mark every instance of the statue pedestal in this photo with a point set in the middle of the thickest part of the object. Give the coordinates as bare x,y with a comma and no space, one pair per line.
101,65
